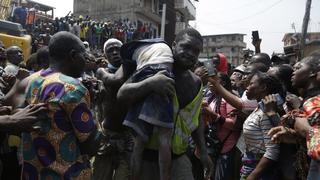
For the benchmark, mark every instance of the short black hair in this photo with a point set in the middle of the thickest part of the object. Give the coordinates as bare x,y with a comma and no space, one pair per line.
62,43
189,31
32,59
284,73
272,84
261,58
313,61
43,56
259,67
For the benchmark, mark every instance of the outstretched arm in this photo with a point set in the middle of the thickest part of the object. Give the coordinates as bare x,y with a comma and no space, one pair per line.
232,99
23,119
110,79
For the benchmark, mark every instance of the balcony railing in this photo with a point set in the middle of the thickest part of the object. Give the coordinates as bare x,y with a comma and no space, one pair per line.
187,8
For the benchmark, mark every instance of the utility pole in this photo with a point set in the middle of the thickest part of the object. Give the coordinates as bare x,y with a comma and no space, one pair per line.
293,26
163,20
305,27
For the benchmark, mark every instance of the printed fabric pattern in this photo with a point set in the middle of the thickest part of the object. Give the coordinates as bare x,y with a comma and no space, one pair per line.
312,109
54,151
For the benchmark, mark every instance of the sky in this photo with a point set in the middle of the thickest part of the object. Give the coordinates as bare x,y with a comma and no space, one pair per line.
272,18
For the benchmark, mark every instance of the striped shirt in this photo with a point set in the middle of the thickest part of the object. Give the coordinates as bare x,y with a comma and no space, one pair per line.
255,133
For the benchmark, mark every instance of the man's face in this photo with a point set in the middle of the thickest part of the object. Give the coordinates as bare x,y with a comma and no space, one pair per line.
15,55
90,62
113,55
186,51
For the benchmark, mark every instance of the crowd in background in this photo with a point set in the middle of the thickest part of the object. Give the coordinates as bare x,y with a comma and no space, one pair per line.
87,29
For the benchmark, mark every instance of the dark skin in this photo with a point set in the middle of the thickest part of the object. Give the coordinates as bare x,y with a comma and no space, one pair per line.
112,109
165,135
202,73
113,112
113,54
257,91
304,79
186,85
256,44
232,99
14,55
71,64
23,119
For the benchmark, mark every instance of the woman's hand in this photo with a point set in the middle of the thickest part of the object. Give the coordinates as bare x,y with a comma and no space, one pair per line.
283,134
208,113
293,101
270,104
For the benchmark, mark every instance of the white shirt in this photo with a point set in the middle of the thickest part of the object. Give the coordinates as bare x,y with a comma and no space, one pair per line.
11,69
158,53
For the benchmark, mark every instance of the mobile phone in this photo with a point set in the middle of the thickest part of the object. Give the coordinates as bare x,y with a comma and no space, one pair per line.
210,66
255,36
279,99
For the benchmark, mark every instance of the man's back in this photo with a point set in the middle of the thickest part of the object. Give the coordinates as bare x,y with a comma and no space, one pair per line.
54,150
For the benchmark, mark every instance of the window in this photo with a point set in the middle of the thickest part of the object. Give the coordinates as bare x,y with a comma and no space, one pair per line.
213,39
213,49
233,49
155,6
233,38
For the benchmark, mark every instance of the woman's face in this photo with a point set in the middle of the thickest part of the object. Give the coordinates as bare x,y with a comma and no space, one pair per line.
301,75
255,90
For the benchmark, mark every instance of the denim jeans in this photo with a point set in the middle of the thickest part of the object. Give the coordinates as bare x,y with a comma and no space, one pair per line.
314,170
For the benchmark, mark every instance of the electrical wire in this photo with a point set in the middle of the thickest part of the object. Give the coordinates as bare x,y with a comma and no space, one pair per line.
250,16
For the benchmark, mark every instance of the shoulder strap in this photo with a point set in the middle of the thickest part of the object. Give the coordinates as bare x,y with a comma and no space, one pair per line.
225,139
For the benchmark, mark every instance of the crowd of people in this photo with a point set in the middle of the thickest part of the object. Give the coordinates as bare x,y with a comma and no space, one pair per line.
151,110
86,28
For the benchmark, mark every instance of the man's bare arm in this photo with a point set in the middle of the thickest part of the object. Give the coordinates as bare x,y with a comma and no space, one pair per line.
110,79
130,92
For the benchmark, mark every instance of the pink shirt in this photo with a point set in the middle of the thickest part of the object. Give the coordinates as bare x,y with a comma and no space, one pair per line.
225,129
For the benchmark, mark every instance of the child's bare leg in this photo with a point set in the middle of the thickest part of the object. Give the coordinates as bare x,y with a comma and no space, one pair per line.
136,159
165,135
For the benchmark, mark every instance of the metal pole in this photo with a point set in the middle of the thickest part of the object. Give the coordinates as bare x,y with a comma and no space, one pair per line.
305,27
163,20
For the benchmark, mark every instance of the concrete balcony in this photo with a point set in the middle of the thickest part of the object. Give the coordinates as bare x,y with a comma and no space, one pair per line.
186,8
180,26
148,13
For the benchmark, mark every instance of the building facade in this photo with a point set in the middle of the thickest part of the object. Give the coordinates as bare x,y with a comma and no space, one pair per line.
294,38
185,12
291,45
139,12
231,45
